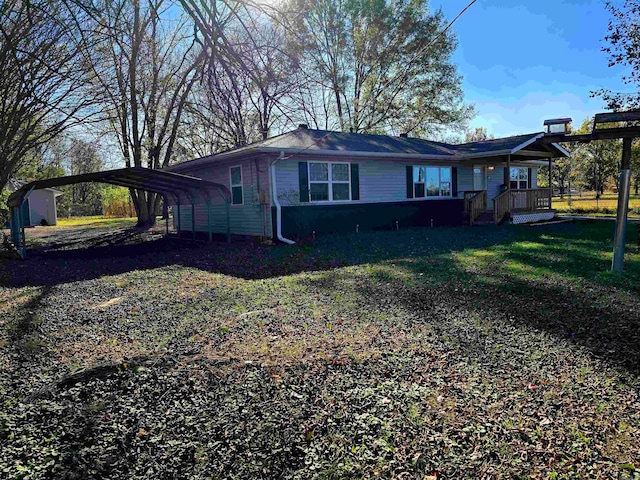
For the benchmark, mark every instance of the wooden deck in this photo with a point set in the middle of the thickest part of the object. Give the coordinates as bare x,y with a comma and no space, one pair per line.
505,205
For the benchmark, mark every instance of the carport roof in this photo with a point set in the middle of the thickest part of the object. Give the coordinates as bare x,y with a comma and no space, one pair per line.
173,185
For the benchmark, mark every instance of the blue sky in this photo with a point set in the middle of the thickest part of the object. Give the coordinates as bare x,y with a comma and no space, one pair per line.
523,62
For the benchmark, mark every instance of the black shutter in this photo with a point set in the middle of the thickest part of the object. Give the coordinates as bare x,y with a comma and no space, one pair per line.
454,181
303,174
355,182
529,178
409,181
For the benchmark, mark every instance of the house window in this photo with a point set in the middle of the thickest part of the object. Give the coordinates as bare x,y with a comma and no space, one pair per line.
329,181
237,194
519,178
431,182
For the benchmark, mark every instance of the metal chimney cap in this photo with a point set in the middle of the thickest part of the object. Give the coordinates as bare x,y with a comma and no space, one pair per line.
557,121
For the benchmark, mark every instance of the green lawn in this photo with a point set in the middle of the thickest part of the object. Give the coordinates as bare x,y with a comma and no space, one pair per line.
586,203
484,352
95,222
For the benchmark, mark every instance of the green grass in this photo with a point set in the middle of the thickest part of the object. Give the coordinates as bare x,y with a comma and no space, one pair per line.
97,221
586,204
495,352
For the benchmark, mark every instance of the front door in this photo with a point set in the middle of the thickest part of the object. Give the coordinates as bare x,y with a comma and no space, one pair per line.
479,177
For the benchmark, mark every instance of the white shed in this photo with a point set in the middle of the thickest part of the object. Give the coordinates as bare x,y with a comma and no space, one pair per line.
40,206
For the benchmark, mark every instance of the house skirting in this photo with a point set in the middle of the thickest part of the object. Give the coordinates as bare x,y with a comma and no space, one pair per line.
302,221
531,217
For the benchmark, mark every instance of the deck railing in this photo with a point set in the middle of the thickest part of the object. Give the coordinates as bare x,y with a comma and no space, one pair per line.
521,200
475,202
468,195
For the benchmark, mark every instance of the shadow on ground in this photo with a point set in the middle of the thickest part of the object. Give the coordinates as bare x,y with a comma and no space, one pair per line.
554,278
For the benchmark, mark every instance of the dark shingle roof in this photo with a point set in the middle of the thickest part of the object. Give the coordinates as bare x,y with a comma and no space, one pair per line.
494,145
308,139
305,140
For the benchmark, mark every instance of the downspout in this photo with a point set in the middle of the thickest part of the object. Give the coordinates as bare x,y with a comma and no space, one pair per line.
276,202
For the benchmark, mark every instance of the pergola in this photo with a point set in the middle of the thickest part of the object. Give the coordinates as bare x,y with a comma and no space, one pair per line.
627,133
175,188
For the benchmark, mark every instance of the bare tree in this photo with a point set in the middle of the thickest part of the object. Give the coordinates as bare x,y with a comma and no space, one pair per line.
145,68
43,78
247,80
387,64
478,134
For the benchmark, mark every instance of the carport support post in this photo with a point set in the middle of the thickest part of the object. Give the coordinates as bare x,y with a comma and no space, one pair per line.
209,218
166,218
193,220
15,226
20,237
166,223
179,222
228,221
617,265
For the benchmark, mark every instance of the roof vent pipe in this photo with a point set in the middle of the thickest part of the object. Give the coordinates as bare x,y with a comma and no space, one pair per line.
303,126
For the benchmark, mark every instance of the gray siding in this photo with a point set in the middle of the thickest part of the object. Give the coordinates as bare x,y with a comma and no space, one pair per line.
380,181
251,218
465,179
42,206
495,178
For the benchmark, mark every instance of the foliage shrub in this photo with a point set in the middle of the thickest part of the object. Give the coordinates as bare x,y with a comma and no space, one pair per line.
116,202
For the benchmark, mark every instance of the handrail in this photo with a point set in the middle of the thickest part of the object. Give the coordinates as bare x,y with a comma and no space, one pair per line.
477,205
515,200
468,195
501,206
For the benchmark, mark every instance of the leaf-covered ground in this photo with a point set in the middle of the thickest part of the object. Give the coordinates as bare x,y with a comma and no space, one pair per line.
485,352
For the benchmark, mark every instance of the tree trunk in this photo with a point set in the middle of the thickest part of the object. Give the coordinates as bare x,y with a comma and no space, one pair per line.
144,208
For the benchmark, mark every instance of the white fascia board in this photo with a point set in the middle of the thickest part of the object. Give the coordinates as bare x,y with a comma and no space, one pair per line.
562,150
527,143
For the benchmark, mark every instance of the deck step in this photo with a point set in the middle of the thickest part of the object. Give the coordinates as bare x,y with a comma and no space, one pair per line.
485,218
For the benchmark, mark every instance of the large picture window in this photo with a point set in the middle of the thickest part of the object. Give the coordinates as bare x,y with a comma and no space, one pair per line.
237,194
329,181
519,178
431,182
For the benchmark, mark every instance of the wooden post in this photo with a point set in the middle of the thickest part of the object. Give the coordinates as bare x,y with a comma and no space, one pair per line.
617,265
550,184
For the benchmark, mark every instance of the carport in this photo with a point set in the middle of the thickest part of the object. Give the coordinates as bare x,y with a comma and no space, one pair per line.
175,188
